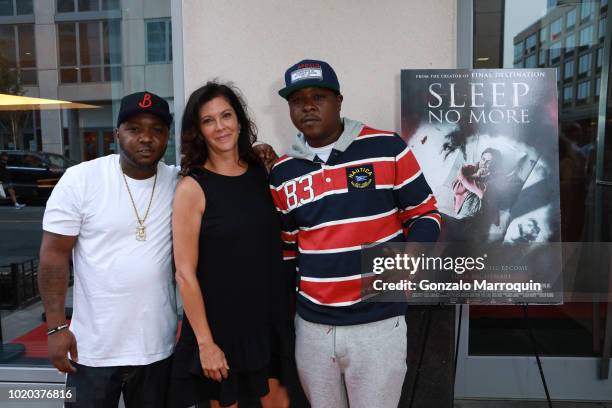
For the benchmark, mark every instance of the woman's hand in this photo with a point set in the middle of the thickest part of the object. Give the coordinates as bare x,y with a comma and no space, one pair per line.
213,362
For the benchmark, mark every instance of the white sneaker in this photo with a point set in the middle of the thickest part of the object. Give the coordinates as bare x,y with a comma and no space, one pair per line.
19,206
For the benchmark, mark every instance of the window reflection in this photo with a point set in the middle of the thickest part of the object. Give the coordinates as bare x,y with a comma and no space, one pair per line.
18,52
99,46
159,41
568,70
69,6
579,28
584,65
16,7
84,56
586,10
570,19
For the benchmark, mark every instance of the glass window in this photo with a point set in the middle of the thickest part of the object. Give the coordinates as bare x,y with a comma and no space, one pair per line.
584,64
604,3
65,6
530,61
584,91
67,44
599,58
159,41
6,8
88,5
18,50
555,29
518,50
578,158
27,48
602,28
85,48
112,41
89,43
24,7
568,94
8,45
586,10
16,7
568,70
570,19
570,43
542,57
110,5
530,43
99,49
69,6
544,34
586,36
555,51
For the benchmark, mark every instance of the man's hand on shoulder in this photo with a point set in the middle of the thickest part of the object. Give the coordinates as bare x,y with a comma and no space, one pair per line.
266,155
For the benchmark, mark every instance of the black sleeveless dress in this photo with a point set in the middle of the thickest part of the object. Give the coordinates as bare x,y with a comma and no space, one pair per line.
246,296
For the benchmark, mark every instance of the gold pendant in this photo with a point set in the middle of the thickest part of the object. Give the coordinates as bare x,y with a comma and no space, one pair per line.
140,233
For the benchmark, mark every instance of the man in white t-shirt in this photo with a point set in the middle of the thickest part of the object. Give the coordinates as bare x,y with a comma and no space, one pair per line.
113,216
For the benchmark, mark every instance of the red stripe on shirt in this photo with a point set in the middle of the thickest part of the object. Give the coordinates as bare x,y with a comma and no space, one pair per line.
407,167
425,207
285,236
289,254
350,234
370,131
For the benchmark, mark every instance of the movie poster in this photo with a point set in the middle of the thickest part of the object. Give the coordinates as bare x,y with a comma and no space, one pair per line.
487,143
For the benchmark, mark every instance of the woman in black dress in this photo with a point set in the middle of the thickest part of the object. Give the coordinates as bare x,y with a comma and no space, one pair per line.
236,337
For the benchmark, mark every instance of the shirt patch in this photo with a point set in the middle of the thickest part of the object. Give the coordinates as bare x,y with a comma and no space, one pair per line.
360,177
306,73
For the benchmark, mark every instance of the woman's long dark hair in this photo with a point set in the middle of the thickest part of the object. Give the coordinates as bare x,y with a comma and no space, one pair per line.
194,151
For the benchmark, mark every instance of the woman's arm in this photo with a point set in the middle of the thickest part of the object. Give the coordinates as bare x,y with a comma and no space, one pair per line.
188,208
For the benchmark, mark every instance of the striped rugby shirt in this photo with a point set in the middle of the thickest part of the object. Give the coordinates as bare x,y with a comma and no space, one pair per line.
371,189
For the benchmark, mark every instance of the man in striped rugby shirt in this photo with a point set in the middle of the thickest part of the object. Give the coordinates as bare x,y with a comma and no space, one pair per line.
343,184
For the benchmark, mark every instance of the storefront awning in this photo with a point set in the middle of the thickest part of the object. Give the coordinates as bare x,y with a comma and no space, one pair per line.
17,103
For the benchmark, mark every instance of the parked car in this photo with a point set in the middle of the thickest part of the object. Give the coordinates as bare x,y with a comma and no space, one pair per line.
34,174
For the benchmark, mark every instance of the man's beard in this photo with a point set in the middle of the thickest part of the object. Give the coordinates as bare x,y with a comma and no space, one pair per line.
135,162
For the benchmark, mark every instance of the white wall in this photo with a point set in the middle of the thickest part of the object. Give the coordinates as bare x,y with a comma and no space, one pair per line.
367,42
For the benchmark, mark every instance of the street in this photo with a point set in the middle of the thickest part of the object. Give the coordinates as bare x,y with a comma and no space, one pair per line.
20,233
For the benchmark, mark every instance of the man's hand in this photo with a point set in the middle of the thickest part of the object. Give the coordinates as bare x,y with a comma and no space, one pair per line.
59,345
266,155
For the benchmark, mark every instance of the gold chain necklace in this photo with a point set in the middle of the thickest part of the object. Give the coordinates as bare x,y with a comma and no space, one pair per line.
141,234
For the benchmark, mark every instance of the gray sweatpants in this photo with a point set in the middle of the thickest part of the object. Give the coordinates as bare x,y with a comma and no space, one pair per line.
365,361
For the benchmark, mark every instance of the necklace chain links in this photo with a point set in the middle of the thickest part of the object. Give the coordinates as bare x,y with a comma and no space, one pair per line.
141,234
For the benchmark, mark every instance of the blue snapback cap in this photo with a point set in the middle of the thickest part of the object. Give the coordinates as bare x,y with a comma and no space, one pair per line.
309,73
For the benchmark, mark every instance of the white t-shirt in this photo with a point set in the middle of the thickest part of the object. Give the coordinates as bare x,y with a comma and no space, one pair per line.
124,306
322,152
